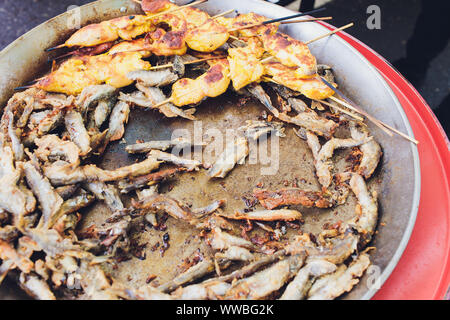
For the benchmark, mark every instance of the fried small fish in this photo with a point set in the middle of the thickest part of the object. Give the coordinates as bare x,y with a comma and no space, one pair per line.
232,155
189,164
159,78
371,151
77,131
298,288
117,121
343,280
263,283
49,199
163,145
60,174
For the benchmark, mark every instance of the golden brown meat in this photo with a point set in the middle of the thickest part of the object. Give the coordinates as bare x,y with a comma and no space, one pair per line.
163,43
171,42
207,37
245,67
211,84
291,53
127,28
312,88
138,45
248,19
193,16
155,6
78,73
293,196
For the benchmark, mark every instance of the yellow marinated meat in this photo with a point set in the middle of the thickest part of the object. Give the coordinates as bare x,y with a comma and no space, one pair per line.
160,42
70,78
186,91
193,16
127,28
291,53
77,73
211,84
248,19
217,79
255,45
245,67
163,43
131,46
312,88
207,37
114,71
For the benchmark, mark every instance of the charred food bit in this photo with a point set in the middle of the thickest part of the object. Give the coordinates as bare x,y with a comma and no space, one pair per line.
292,196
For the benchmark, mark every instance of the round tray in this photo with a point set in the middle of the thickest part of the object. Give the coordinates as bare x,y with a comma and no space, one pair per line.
423,271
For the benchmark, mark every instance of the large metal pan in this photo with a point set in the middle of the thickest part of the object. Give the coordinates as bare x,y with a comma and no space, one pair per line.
398,180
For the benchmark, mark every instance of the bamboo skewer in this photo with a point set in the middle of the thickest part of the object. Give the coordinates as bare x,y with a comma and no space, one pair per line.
379,123
275,20
189,62
162,103
236,38
330,33
223,14
375,121
349,104
267,59
307,20
341,110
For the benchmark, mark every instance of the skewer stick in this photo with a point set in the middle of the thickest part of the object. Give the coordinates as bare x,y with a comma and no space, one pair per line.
341,110
223,14
330,33
275,20
307,20
352,107
267,59
376,121
55,48
189,62
400,133
268,79
24,87
349,104
176,9
162,103
237,39
321,101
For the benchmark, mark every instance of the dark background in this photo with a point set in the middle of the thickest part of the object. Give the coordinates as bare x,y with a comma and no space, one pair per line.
414,36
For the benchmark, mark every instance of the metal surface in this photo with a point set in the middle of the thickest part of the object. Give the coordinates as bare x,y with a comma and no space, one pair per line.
423,272
398,181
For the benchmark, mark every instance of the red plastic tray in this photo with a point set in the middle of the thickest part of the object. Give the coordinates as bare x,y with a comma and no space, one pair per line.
423,271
